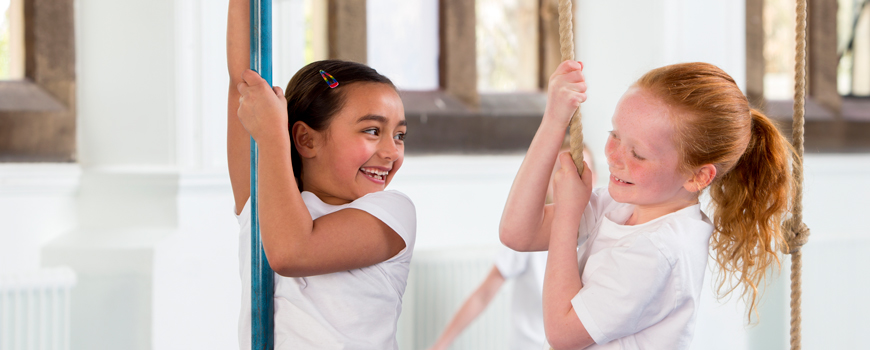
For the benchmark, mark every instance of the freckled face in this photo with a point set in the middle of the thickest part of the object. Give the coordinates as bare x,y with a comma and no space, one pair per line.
364,145
641,153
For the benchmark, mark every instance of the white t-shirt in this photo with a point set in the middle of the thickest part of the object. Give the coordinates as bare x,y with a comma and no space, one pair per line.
355,309
641,283
527,312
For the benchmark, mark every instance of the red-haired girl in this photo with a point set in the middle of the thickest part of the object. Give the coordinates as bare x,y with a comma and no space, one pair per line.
626,263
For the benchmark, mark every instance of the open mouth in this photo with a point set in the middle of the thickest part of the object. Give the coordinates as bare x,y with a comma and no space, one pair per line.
620,180
375,173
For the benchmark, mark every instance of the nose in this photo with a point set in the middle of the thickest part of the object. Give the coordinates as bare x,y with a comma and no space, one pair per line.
614,154
388,150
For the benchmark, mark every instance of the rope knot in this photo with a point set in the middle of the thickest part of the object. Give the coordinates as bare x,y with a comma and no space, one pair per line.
796,235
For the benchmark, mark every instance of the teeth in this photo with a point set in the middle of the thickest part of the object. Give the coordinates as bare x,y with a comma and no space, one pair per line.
375,173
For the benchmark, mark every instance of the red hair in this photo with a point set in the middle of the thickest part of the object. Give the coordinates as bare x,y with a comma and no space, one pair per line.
753,184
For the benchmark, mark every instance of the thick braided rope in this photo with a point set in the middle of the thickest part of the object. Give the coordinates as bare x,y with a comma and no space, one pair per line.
566,44
795,230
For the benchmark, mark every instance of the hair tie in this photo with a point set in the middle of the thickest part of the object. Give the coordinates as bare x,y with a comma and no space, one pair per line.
329,79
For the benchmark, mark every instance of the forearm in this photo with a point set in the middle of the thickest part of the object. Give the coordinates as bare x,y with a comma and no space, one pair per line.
238,139
523,214
561,283
238,39
285,222
471,308
467,313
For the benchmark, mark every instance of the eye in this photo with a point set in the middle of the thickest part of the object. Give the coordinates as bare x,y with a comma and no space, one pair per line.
372,131
637,156
613,134
400,136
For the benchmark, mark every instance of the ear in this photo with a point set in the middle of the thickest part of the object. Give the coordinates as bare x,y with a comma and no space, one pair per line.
305,139
701,178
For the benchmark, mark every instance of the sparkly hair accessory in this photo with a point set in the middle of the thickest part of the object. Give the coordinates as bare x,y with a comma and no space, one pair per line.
329,79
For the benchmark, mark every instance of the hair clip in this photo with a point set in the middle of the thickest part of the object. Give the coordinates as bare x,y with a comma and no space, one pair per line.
329,79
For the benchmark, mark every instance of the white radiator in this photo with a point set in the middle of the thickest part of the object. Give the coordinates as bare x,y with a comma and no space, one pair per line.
35,309
438,284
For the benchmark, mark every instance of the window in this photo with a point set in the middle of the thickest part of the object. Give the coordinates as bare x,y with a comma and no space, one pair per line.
853,31
37,112
403,41
779,49
297,37
11,40
507,35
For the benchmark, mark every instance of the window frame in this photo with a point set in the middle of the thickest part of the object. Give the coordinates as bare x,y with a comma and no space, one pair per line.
37,113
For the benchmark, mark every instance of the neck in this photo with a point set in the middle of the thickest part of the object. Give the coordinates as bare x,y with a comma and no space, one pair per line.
646,213
324,196
312,185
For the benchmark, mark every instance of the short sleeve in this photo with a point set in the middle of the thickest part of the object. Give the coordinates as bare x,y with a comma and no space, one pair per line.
393,208
245,215
511,263
624,290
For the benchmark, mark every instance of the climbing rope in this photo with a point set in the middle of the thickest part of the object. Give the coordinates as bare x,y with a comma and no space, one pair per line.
566,43
796,232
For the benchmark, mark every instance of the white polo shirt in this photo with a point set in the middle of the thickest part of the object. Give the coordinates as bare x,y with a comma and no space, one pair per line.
641,283
527,312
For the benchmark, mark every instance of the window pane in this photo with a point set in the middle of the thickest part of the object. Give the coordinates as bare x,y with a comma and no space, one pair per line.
779,42
11,40
853,31
294,29
507,45
402,41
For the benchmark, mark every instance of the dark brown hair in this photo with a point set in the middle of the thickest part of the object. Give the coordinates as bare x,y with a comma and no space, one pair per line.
753,185
312,101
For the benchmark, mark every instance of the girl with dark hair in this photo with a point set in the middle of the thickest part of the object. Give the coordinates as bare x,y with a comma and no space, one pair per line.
340,242
626,262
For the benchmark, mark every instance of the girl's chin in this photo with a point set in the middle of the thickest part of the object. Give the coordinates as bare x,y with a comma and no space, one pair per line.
616,193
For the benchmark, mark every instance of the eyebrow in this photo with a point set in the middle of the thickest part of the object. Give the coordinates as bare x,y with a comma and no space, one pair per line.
379,118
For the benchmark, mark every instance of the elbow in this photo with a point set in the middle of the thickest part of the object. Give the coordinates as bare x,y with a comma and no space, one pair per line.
289,268
506,236
562,342
287,263
511,239
563,337
280,264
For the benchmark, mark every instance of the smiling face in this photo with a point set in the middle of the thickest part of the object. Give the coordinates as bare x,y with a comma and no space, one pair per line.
361,149
642,156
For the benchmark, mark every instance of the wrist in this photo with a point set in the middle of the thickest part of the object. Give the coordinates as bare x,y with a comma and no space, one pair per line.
273,141
566,220
550,123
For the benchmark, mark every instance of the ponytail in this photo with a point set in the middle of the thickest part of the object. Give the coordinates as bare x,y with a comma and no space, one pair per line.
750,202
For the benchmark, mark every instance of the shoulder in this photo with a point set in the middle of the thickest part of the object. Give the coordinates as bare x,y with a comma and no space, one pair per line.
393,201
390,197
687,225
679,236
392,207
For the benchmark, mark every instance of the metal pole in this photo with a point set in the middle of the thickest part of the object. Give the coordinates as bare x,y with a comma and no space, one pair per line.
262,286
